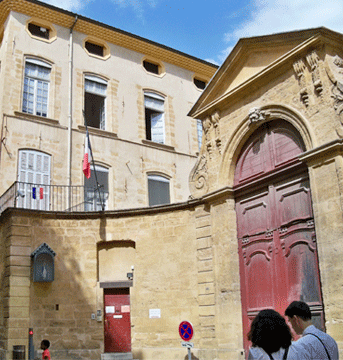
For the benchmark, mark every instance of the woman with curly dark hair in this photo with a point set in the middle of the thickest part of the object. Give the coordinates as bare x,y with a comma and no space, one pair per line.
271,337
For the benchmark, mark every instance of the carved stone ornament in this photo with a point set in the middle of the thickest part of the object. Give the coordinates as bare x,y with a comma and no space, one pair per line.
198,180
299,68
313,61
215,121
256,115
337,94
338,61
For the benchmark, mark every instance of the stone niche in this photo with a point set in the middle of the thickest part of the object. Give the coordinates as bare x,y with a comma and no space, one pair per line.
43,269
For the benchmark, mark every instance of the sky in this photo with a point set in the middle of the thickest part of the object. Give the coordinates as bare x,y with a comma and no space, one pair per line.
208,29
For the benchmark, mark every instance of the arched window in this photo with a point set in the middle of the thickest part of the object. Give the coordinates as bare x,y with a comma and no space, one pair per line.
158,188
36,87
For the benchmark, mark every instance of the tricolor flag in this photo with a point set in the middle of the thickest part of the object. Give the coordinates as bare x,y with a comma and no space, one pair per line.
87,157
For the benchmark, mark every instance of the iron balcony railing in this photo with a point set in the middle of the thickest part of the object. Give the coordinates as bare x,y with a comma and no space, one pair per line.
53,197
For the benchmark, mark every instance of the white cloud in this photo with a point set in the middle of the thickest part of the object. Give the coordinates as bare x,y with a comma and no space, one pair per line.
273,16
71,5
137,5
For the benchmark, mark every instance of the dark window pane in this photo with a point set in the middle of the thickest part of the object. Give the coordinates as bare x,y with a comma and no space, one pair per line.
153,68
94,49
40,31
158,192
94,107
200,84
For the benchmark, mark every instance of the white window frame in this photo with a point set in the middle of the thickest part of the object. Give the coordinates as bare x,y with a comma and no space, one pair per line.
94,81
156,124
33,172
159,178
31,89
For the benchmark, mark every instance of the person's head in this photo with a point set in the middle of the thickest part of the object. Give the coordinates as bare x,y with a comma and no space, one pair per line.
45,344
270,331
299,315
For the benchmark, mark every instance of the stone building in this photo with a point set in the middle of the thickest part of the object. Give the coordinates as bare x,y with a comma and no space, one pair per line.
263,226
60,71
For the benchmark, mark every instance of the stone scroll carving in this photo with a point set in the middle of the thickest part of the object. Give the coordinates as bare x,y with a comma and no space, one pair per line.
215,121
212,133
299,68
198,179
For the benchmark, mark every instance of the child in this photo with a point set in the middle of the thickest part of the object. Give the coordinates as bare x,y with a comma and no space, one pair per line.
45,347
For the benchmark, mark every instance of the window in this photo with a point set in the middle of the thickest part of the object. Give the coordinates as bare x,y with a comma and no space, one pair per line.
39,31
158,188
199,131
94,198
200,84
94,48
33,180
95,99
154,117
150,67
153,66
36,87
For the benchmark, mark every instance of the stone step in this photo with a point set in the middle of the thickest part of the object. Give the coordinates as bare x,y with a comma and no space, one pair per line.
117,356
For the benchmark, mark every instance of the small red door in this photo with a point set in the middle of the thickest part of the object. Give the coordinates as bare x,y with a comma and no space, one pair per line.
117,320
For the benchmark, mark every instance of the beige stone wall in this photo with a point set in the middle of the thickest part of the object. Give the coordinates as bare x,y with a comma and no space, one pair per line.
183,265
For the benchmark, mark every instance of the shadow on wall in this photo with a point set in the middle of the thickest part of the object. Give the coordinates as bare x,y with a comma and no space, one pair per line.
64,311
193,357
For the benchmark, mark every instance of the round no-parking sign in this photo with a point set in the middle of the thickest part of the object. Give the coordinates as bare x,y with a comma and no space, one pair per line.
186,330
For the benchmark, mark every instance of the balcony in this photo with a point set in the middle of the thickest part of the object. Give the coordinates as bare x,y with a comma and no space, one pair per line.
62,198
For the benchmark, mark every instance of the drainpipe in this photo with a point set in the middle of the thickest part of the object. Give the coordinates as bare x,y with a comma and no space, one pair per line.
70,119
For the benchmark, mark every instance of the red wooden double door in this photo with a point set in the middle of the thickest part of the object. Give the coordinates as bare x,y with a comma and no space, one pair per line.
276,233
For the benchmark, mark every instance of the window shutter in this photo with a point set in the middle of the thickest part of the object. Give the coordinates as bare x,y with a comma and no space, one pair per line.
157,128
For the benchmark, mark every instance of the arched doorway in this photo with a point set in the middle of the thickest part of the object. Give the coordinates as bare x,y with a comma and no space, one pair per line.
276,233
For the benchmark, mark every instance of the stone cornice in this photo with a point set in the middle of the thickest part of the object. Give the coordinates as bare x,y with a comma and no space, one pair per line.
191,204
326,151
105,32
222,193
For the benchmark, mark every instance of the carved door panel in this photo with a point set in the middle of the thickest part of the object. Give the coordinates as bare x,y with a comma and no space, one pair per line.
297,236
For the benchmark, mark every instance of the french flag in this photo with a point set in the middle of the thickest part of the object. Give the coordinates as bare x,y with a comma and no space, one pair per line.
87,157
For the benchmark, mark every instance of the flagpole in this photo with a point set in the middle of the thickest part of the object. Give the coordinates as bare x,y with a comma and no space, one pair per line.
96,178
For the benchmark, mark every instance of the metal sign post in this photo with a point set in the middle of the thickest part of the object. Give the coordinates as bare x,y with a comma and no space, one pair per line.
186,332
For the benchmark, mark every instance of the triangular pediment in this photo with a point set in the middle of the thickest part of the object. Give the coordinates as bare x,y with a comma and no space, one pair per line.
253,57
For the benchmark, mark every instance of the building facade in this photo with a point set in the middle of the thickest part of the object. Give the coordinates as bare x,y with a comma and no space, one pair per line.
62,71
263,226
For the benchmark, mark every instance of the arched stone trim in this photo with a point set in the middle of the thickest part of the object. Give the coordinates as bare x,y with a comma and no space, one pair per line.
248,125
